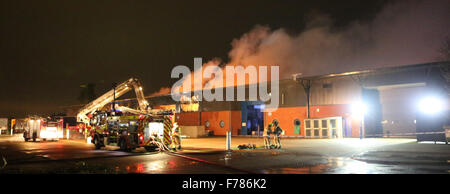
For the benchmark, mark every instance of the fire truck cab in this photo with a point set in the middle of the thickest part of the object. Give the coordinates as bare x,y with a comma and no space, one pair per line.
43,129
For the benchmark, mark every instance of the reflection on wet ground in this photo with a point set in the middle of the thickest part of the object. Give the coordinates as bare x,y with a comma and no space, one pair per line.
282,162
333,166
331,157
107,162
391,157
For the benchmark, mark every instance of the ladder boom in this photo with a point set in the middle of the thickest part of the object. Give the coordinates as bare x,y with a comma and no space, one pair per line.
108,97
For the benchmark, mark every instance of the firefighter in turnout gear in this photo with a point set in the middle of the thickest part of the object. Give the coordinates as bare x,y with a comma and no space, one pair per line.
266,135
277,133
176,136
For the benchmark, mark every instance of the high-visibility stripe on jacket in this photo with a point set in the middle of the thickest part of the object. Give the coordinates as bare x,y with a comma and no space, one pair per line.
167,130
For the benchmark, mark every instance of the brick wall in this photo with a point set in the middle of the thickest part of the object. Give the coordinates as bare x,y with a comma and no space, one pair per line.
215,117
286,117
188,118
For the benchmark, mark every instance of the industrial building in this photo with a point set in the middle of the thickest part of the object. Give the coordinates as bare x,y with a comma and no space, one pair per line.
368,103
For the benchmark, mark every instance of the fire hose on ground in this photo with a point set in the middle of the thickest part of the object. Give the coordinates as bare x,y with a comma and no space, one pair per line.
161,146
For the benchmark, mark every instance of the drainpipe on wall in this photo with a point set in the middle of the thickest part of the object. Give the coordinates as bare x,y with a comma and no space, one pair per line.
307,103
307,87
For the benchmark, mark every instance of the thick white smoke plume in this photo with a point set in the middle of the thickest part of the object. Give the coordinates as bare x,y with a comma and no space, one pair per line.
403,33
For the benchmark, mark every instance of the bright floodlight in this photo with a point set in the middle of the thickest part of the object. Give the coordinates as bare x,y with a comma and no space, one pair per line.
359,108
431,105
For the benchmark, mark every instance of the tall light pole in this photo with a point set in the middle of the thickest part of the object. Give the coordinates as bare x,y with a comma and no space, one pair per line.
361,129
359,109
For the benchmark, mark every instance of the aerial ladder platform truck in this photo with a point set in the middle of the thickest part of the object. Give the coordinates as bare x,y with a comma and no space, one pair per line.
125,127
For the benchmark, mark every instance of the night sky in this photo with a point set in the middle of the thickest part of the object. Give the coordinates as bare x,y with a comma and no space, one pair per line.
50,48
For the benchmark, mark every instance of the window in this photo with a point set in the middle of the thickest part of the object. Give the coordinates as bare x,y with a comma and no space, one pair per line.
308,123
316,128
222,124
333,128
316,133
308,128
324,124
308,133
333,123
324,128
207,124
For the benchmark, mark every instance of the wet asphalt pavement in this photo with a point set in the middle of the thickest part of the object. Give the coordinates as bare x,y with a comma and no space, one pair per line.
348,156
69,157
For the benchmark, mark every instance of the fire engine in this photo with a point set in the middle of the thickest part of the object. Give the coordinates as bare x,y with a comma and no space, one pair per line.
123,126
129,131
43,128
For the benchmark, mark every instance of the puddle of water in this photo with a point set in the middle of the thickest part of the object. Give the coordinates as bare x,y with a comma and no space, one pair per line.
333,165
317,169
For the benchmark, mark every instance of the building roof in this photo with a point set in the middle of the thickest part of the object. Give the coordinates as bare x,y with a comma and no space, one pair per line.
391,69
167,99
374,71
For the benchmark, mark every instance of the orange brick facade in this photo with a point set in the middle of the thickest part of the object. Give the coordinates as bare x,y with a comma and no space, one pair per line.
229,117
285,116
188,118
214,118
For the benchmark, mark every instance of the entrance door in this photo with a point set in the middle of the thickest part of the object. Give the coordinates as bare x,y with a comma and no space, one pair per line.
372,120
252,118
255,120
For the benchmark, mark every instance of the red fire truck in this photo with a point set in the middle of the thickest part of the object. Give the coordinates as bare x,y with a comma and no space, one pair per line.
128,131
